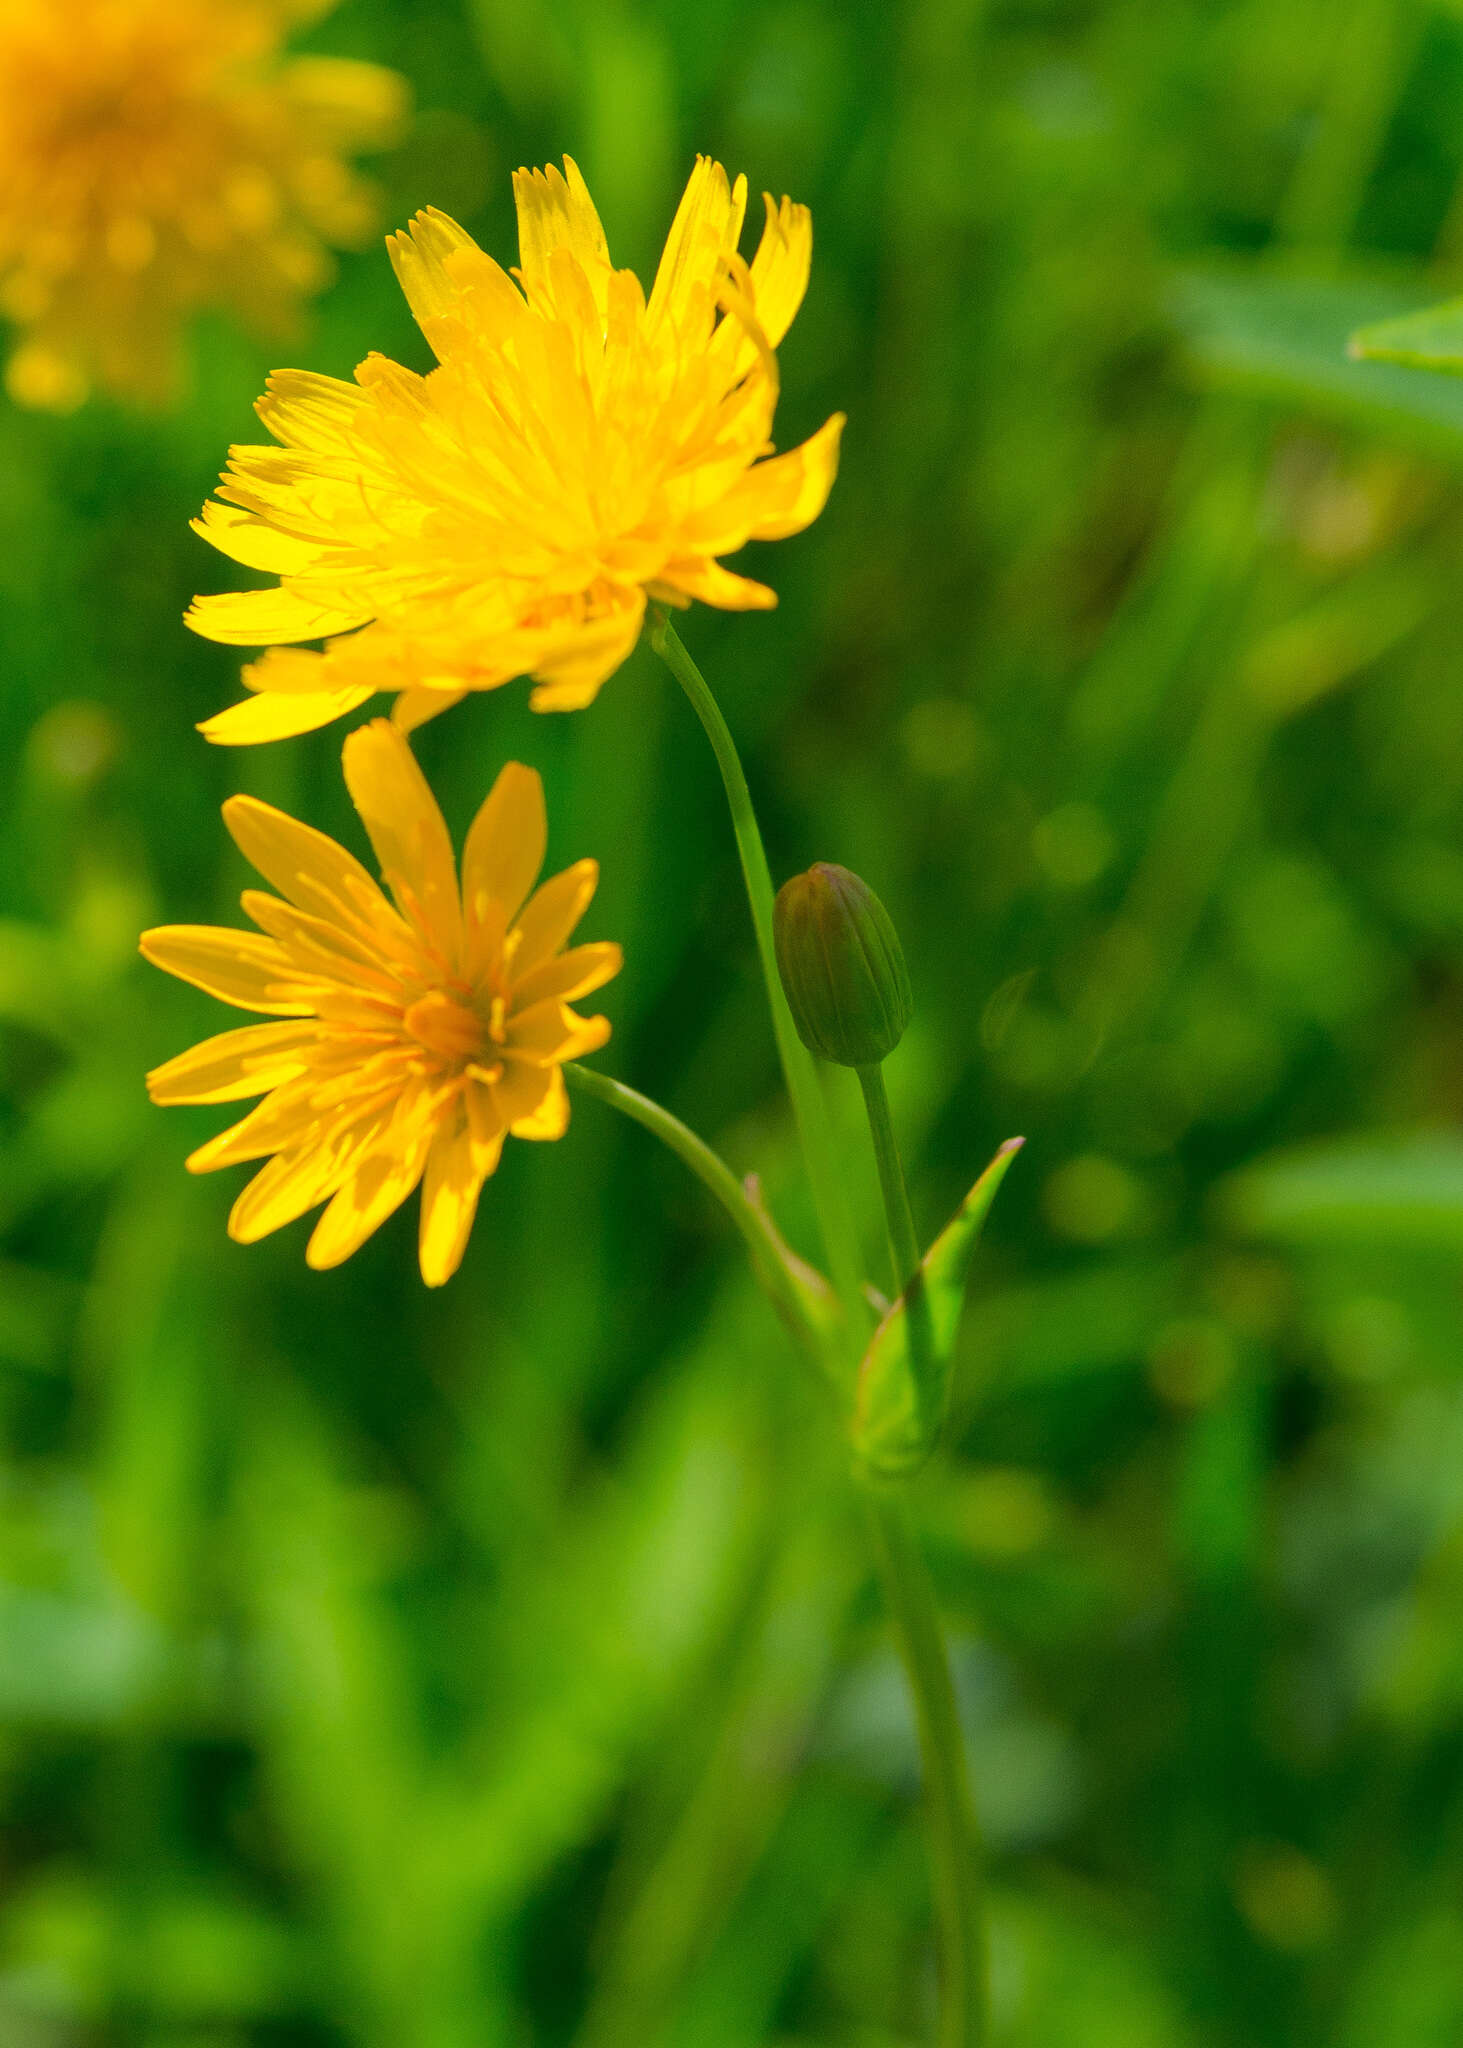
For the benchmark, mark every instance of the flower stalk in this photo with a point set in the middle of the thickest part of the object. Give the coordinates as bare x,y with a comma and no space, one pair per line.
834,1220
904,1256
798,1293
956,1860
956,1863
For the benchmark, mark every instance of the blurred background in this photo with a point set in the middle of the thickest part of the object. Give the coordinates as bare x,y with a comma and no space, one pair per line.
501,1667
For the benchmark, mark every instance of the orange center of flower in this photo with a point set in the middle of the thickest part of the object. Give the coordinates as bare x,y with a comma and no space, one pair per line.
447,1025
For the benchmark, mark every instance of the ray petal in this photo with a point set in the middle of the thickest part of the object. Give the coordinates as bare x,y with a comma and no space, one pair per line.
551,1118
373,1191
705,229
245,538
552,912
275,715
551,1032
235,1064
505,846
241,968
420,254
306,866
555,211
451,1184
407,830
255,618
780,268
569,975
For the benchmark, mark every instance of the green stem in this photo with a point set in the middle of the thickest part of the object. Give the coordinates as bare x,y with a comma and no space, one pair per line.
904,1256
956,1866
835,1221
798,1293
898,1217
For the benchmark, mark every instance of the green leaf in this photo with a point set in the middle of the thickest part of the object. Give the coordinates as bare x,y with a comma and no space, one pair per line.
1289,338
1430,340
894,1431
1365,1191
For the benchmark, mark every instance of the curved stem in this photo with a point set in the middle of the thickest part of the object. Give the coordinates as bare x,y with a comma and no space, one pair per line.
793,1287
835,1221
957,1876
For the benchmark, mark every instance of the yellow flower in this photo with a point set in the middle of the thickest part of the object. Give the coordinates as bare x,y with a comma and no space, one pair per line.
157,156
415,1037
576,451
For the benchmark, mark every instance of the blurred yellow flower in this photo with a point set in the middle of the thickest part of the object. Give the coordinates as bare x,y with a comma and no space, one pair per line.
157,156
576,451
415,1037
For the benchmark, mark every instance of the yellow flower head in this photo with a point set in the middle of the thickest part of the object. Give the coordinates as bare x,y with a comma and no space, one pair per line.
417,1033
157,156
576,451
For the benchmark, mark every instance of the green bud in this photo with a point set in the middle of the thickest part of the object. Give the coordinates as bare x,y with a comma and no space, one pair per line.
842,966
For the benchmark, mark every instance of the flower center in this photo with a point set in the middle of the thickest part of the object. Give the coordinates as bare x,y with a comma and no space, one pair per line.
446,1025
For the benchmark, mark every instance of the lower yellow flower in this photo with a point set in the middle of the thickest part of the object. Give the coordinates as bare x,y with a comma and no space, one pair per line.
417,1033
157,156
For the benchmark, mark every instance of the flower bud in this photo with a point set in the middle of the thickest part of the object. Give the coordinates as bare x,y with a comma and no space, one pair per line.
841,965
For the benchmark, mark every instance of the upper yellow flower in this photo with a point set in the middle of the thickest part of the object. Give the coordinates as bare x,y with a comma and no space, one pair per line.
576,452
418,1036
157,156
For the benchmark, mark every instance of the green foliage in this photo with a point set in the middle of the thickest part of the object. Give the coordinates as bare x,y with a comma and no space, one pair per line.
899,1410
380,1670
1431,340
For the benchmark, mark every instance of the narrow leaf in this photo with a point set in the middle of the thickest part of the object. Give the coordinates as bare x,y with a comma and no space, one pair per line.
1286,338
894,1431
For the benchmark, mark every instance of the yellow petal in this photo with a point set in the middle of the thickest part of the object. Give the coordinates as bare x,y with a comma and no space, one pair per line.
307,1170
419,256
365,104
305,865
551,914
235,1064
241,968
277,716
244,538
282,1190
781,265
505,846
254,618
520,1092
556,212
285,1121
571,671
414,707
325,950
705,230
712,584
569,975
374,1191
305,410
451,1184
552,1032
407,830
782,496
551,1118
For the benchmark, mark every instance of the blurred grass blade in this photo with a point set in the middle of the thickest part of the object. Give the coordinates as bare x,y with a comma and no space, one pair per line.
890,1434
1363,1191
1430,340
